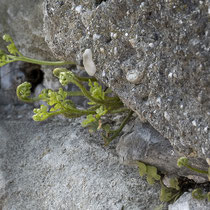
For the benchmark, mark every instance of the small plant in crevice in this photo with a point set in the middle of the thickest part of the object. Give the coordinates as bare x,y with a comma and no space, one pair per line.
172,193
196,193
167,194
101,102
177,186
149,171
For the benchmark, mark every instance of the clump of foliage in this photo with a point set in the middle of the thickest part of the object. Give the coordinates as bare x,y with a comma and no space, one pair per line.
167,194
100,103
59,102
172,193
197,193
176,186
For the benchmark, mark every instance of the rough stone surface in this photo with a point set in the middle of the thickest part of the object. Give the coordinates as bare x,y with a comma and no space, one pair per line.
165,44
23,20
58,165
144,143
167,40
186,202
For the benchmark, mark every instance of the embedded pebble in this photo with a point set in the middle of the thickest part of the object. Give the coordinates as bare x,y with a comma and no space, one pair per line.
166,115
194,123
115,51
78,8
134,76
96,36
89,65
102,50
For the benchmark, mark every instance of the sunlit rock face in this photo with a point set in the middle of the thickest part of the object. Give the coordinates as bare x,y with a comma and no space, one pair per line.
154,55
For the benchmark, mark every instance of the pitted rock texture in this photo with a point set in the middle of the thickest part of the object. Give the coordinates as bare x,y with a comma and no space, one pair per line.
167,42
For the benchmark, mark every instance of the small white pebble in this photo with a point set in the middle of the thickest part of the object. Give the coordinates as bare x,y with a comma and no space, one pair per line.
208,161
151,45
181,106
96,36
203,150
89,65
102,50
126,34
115,51
170,75
115,35
78,8
194,123
206,129
142,4
166,115
103,74
134,76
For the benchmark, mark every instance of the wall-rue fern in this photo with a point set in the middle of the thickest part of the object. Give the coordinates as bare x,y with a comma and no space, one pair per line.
59,102
197,193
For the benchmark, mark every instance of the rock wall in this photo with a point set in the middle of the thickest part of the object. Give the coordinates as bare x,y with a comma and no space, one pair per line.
164,45
154,55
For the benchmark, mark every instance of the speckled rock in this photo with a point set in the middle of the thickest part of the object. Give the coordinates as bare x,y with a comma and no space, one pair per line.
58,165
170,39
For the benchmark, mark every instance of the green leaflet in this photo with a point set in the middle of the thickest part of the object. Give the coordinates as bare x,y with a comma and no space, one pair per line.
160,207
172,193
142,168
198,194
174,183
149,171
11,47
182,161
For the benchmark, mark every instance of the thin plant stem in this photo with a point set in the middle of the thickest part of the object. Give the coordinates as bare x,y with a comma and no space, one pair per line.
35,61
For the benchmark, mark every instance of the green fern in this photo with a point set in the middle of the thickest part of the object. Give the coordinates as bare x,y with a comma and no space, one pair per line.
172,193
149,171
197,193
